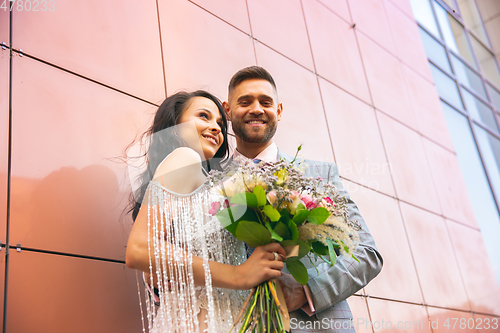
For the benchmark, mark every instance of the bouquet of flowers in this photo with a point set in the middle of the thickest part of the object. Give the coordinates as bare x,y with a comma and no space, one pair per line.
275,202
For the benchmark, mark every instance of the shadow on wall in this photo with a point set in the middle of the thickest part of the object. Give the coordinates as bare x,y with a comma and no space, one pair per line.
71,210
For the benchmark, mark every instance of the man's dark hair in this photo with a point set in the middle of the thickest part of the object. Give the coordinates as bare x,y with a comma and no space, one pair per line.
248,73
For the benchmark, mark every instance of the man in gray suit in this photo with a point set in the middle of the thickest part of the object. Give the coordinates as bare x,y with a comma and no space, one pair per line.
254,111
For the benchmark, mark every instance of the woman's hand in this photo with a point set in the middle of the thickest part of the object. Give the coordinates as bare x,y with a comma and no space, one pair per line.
260,266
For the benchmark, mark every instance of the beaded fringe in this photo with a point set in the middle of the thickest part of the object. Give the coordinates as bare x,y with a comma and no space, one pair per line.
178,228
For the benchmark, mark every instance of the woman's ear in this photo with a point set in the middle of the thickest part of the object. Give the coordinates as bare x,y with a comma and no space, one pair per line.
225,105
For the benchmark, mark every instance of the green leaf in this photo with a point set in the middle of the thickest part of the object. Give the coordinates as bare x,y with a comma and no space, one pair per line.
318,215
253,233
260,194
298,271
245,198
300,207
304,248
319,248
225,217
293,229
331,250
325,260
274,235
300,215
284,218
282,230
355,258
346,248
272,213
285,212
229,217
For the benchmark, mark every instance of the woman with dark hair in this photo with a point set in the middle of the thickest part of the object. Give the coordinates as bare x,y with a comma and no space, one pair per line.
198,270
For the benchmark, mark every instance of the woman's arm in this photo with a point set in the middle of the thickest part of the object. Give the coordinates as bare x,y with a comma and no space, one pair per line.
181,173
258,268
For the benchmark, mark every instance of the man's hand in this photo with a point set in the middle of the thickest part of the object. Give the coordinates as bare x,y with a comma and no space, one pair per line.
293,291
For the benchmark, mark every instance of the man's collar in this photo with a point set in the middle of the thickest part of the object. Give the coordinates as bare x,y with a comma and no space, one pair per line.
270,154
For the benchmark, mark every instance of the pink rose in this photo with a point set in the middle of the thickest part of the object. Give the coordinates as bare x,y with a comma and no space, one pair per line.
271,197
292,206
308,201
215,208
328,200
311,205
294,195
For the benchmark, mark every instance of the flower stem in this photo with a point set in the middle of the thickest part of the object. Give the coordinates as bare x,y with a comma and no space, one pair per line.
245,305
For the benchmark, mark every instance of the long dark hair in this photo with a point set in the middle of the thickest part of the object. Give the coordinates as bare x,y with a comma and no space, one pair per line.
159,146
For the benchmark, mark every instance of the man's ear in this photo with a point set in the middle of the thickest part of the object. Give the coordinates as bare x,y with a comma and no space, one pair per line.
279,110
225,105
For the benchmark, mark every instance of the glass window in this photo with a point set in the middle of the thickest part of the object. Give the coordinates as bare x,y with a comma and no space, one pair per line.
479,111
480,194
472,18
423,14
494,96
435,51
454,34
446,87
486,62
468,77
442,17
490,151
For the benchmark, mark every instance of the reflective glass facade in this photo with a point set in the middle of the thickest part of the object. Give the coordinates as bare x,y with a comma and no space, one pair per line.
470,94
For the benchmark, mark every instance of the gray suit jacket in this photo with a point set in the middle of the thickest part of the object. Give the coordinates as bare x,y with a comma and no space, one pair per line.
332,285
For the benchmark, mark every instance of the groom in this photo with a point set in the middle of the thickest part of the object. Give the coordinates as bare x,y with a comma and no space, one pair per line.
254,111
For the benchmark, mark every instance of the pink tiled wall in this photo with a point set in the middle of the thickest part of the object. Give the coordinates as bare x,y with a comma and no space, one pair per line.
356,88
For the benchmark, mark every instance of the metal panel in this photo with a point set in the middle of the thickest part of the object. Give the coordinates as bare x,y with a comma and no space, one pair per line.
407,160
232,11
69,188
297,95
398,279
52,293
280,25
329,34
399,317
386,86
113,42
440,279
362,158
4,26
371,18
4,137
207,52
2,283
476,268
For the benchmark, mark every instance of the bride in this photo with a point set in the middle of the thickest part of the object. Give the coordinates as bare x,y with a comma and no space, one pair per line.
196,272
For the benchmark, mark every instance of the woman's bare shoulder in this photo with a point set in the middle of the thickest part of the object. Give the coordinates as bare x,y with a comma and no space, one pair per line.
180,158
181,170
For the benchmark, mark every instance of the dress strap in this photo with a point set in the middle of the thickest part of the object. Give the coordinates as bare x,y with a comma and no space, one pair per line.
205,172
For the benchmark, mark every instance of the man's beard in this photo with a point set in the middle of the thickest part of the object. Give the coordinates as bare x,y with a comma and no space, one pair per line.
251,136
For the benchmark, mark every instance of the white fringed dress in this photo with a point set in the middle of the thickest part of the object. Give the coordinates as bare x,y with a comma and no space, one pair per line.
182,220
